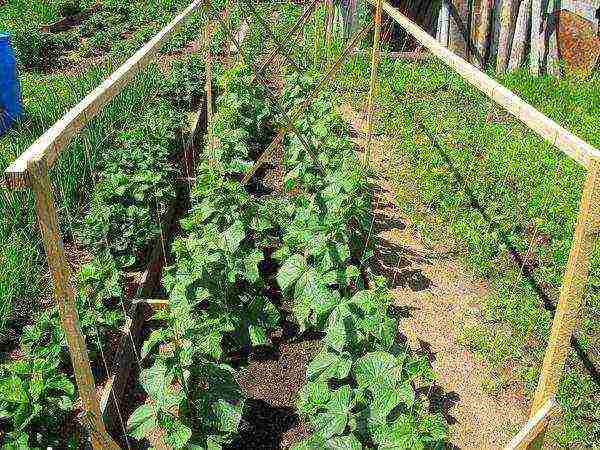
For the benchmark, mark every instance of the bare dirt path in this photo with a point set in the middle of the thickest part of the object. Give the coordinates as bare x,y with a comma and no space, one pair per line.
436,295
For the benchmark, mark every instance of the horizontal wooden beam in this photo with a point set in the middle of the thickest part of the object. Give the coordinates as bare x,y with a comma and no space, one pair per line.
546,128
53,141
534,426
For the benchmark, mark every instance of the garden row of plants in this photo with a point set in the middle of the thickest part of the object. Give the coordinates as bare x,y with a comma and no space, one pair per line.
95,29
248,250
134,187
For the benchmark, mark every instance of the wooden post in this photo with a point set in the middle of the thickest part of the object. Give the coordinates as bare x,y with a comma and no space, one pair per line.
483,30
65,299
506,20
328,25
373,85
536,38
457,40
208,89
520,39
443,24
572,293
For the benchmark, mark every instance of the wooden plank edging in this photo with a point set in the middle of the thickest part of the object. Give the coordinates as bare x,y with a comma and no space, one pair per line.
543,126
54,140
128,351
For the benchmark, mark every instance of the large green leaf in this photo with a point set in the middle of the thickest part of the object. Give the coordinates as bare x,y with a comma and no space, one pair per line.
333,422
233,236
329,364
142,421
293,268
348,442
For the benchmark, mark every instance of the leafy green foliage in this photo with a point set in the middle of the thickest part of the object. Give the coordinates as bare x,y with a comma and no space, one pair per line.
34,396
134,191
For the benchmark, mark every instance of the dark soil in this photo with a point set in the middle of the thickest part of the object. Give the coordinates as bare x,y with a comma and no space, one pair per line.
271,381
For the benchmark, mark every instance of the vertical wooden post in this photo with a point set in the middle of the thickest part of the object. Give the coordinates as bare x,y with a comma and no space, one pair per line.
208,89
373,85
443,23
506,21
520,39
457,40
536,38
483,30
65,299
572,293
328,25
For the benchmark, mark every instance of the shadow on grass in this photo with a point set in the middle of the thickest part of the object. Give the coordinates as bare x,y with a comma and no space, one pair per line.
527,270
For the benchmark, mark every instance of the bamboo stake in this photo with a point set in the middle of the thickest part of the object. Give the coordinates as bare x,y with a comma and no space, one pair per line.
65,299
520,40
483,30
373,85
572,293
536,38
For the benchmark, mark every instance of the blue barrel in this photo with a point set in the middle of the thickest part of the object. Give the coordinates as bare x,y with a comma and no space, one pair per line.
11,106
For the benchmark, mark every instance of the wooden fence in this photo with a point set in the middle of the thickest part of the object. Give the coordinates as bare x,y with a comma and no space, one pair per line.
31,170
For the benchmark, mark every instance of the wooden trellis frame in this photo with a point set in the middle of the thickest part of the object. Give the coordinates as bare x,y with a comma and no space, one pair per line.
587,229
32,169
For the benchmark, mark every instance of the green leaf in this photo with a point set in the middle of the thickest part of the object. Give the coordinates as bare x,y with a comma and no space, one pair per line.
372,367
293,268
156,336
142,422
329,365
178,434
251,265
233,236
349,442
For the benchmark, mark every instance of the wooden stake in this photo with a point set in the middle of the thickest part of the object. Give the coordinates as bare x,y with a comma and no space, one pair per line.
208,89
457,34
536,38
506,19
373,85
520,39
65,299
532,428
483,30
572,293
443,24
328,25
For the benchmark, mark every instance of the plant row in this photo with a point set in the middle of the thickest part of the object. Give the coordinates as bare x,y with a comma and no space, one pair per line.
248,250
134,187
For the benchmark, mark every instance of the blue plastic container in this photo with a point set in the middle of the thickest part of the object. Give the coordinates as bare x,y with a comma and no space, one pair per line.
11,105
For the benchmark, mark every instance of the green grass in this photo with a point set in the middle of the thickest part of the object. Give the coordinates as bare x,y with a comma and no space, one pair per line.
23,275
479,183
